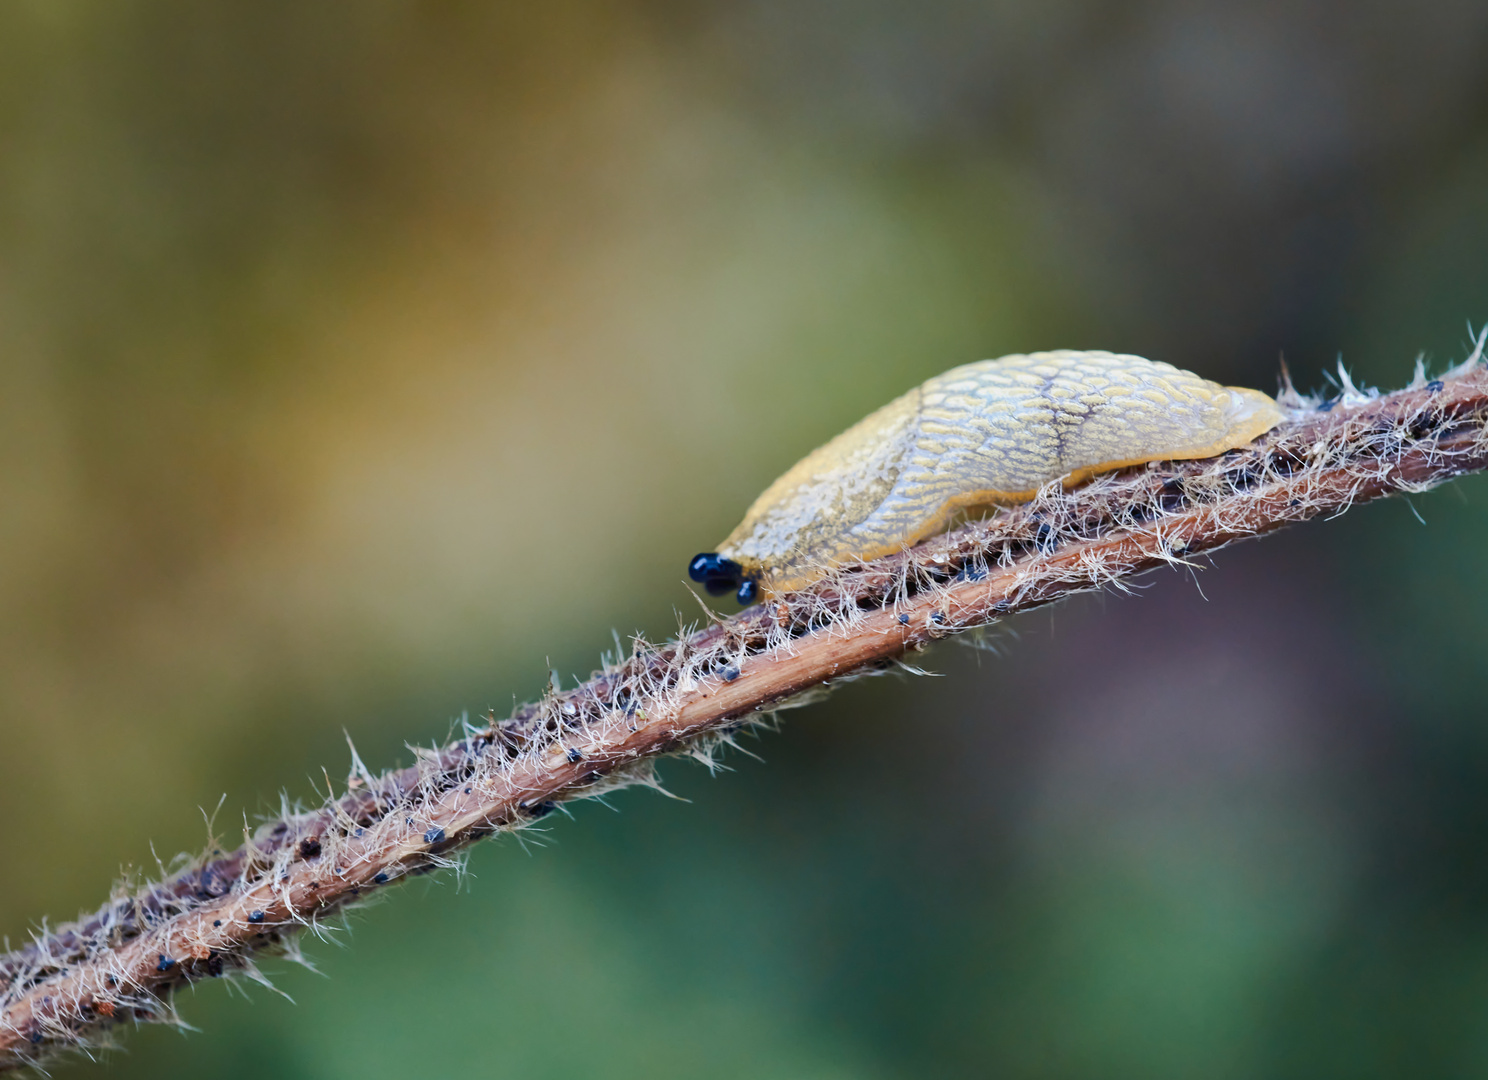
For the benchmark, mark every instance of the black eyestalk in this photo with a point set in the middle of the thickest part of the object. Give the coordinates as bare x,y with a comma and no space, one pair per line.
720,576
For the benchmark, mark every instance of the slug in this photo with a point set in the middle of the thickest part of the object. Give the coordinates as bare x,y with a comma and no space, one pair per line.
983,434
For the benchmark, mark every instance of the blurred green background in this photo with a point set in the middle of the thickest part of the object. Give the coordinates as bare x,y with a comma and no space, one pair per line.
360,361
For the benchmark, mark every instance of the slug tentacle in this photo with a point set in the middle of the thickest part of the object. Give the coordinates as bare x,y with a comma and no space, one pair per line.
979,435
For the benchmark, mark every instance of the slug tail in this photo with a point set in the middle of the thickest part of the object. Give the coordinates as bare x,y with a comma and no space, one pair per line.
1251,415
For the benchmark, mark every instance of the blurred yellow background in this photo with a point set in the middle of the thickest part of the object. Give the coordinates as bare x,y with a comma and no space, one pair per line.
361,362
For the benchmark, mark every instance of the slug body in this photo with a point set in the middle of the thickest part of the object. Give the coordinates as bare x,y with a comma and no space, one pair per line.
982,434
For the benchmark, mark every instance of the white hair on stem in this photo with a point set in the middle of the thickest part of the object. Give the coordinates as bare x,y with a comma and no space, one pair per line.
72,985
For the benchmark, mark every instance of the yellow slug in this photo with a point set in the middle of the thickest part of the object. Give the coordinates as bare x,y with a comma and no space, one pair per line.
979,435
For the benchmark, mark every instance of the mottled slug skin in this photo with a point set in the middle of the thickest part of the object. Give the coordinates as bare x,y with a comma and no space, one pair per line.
982,434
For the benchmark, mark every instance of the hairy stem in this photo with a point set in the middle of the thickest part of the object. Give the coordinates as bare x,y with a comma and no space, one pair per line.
71,985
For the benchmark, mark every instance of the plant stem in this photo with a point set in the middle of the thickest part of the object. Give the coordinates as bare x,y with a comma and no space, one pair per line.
71,985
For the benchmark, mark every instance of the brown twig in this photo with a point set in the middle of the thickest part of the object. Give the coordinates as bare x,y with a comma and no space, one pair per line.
71,985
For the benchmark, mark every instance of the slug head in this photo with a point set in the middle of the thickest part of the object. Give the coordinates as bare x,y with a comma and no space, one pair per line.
720,576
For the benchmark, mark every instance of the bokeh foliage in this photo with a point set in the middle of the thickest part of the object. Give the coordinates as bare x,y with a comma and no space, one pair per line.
361,362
